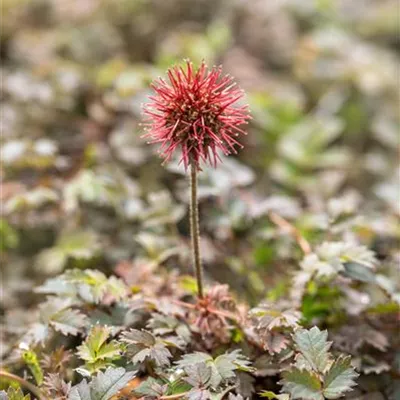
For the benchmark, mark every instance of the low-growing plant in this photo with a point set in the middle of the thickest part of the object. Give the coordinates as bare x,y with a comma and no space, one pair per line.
102,338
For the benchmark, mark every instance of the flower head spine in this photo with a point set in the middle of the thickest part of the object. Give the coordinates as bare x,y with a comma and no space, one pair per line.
196,113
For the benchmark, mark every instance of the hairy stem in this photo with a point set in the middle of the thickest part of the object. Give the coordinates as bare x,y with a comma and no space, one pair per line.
194,229
32,388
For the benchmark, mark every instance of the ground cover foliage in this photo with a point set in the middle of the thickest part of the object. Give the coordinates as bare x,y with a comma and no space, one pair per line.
299,232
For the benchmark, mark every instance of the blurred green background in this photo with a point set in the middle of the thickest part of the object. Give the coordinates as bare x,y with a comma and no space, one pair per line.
81,189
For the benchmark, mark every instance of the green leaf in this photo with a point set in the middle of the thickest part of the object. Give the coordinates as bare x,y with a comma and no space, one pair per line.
193,358
92,285
272,396
91,187
57,313
151,387
95,346
96,351
222,367
314,347
68,321
9,238
302,384
240,361
359,272
77,248
339,379
14,394
166,324
342,252
103,386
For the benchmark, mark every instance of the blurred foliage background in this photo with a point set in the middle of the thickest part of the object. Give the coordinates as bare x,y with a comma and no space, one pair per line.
80,189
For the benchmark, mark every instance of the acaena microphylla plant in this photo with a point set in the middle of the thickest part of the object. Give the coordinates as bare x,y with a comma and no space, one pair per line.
195,114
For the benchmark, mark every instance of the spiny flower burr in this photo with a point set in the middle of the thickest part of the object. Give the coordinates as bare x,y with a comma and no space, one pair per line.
196,113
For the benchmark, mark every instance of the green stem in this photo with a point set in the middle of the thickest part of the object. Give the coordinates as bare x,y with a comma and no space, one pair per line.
32,388
194,229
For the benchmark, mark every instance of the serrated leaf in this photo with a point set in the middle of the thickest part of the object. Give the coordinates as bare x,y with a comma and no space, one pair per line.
272,318
222,367
375,367
97,337
193,358
199,375
93,286
134,336
232,396
301,362
343,252
106,384
95,346
314,347
103,386
161,324
339,379
225,367
151,387
14,394
199,394
68,321
56,387
142,345
139,356
312,264
160,354
80,391
96,351
302,384
110,350
221,394
57,286
275,342
330,258
178,386
241,362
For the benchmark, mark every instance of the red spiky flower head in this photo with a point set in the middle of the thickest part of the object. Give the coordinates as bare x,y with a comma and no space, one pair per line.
195,113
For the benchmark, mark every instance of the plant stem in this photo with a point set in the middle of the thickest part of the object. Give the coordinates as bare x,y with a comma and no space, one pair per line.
32,388
194,229
282,223
174,396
